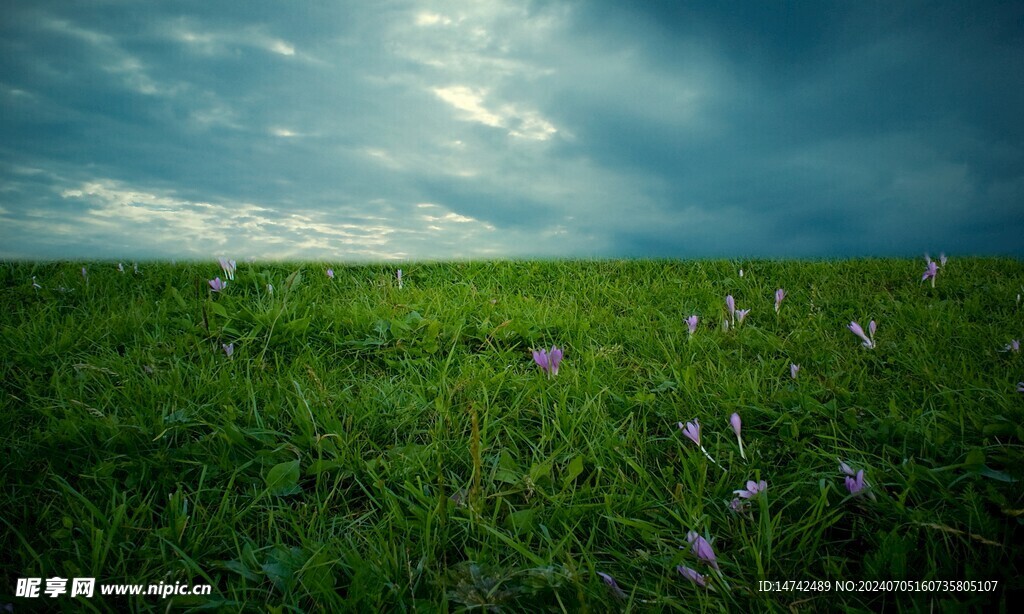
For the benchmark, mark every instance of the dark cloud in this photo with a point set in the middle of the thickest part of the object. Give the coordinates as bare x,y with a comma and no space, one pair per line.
501,129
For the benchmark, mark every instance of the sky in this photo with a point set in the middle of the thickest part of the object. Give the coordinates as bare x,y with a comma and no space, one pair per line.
487,129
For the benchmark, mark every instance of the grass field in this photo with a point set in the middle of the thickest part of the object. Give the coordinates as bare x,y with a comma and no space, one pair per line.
374,448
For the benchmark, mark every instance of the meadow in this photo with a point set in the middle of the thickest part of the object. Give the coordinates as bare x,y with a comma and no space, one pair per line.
308,443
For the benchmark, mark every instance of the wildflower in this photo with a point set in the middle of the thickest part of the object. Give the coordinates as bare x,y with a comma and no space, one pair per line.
931,272
692,430
399,275
702,548
741,272
270,289
330,273
741,314
730,304
846,469
135,267
120,267
1013,346
942,259
85,275
228,266
1020,386
548,361
752,490
610,581
737,424
691,323
217,285
229,348
692,575
35,285
857,330
793,370
855,484
779,295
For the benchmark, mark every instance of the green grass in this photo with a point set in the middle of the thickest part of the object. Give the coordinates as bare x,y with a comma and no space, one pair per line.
368,448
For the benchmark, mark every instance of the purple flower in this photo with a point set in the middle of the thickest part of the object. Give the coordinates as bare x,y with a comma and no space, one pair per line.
753,488
701,547
779,295
793,370
942,259
120,267
855,484
846,469
857,330
730,304
692,575
548,360
691,323
84,273
330,273
228,266
610,581
1013,346
741,314
229,348
1020,386
399,275
930,272
734,420
217,285
691,430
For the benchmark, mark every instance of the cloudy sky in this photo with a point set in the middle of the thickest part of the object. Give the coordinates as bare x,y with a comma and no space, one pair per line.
391,130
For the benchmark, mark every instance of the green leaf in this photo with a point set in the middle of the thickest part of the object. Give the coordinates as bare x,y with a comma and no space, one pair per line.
573,471
219,309
283,479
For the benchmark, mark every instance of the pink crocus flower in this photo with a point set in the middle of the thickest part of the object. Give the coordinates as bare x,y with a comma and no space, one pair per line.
737,426
692,575
217,285
610,581
548,360
857,330
1020,386
701,547
793,370
752,489
330,273
691,323
855,484
692,431
942,259
779,295
931,272
228,266
730,305
399,276
1013,346
229,348
741,314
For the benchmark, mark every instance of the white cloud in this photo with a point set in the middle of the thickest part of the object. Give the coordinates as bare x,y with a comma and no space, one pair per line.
151,221
520,123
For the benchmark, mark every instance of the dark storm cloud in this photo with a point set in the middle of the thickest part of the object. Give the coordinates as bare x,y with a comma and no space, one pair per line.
483,129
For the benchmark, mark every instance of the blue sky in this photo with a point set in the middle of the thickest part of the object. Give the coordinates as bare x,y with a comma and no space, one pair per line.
352,131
